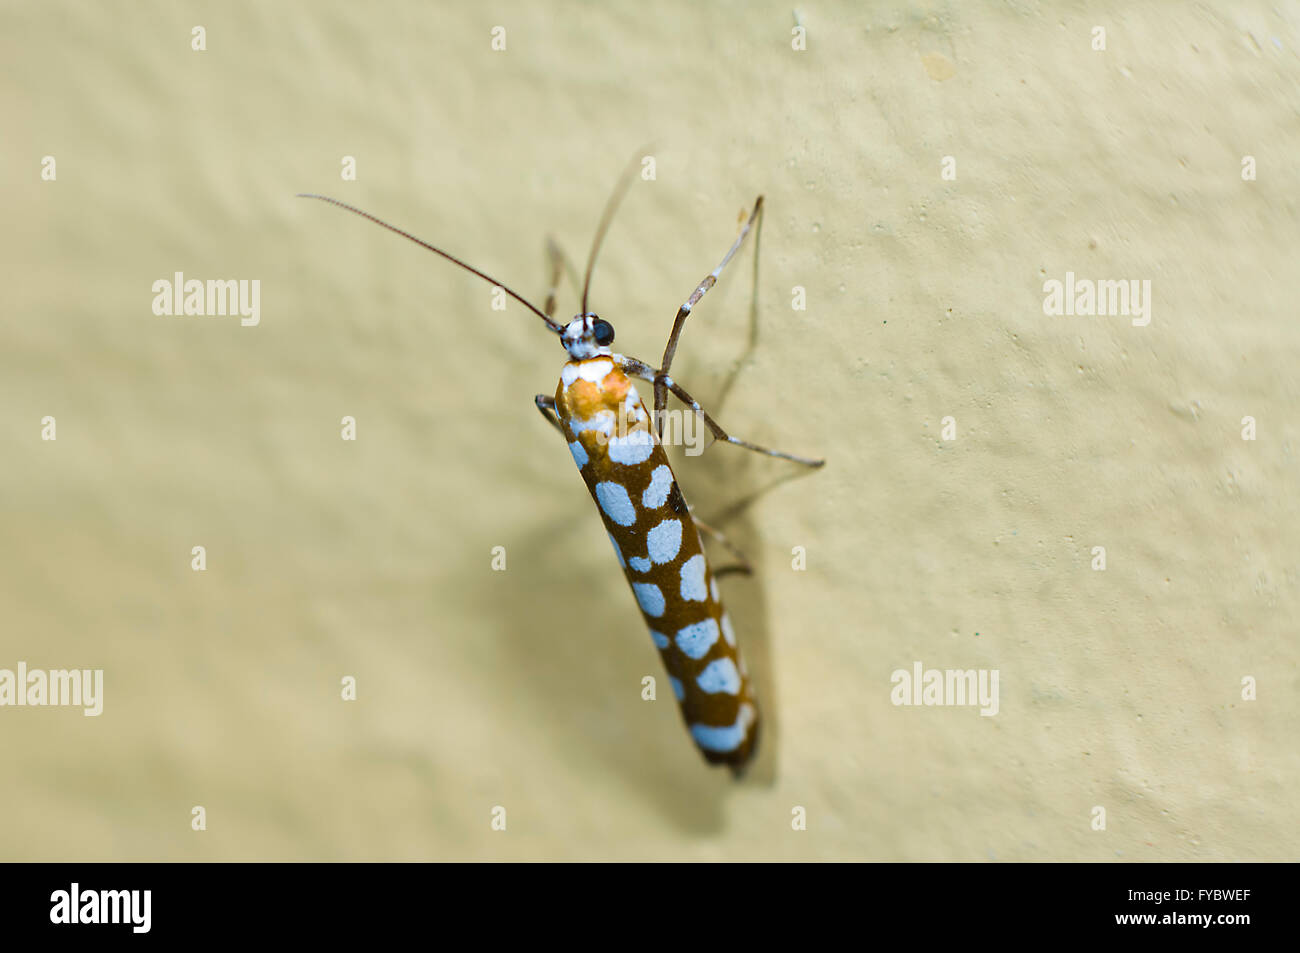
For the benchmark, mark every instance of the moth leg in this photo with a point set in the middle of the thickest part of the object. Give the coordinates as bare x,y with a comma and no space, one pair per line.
661,391
546,406
721,434
645,372
561,267
631,365
545,402
742,564
556,257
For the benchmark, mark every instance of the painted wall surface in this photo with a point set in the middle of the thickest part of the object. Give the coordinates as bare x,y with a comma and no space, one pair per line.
980,450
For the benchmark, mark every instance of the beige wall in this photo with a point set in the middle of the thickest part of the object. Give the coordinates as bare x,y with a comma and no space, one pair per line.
1120,689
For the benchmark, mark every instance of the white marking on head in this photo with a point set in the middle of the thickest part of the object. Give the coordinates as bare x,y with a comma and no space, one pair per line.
579,339
633,449
696,639
650,598
728,631
579,454
677,688
640,563
656,494
725,738
693,589
664,542
720,675
614,501
660,640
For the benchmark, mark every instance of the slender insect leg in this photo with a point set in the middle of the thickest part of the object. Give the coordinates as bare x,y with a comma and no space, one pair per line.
721,434
631,365
560,267
661,395
645,372
557,268
546,405
742,564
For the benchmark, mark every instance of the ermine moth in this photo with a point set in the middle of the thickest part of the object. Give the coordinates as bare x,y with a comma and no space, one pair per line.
621,458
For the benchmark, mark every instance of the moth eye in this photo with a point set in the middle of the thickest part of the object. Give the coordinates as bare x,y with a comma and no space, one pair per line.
603,332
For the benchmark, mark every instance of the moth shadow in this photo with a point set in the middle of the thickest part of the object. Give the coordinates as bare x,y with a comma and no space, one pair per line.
573,651
723,484
722,492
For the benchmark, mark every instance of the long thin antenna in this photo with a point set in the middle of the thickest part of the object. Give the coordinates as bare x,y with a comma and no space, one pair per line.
605,218
437,251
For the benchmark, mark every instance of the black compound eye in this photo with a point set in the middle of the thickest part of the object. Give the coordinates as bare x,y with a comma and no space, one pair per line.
603,332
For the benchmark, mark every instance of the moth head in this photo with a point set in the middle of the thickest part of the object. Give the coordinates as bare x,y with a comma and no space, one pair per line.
587,336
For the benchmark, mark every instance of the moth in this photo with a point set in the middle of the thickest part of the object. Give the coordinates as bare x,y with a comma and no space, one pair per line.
618,447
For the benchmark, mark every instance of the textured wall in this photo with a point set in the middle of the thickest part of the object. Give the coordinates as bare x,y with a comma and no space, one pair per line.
1119,688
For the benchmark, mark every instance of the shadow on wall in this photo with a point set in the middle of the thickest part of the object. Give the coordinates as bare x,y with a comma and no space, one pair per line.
726,488
575,676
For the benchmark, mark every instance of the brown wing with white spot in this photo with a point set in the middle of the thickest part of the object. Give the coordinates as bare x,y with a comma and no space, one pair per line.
628,475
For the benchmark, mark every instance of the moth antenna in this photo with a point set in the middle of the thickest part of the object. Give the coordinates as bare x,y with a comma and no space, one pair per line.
611,206
437,251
